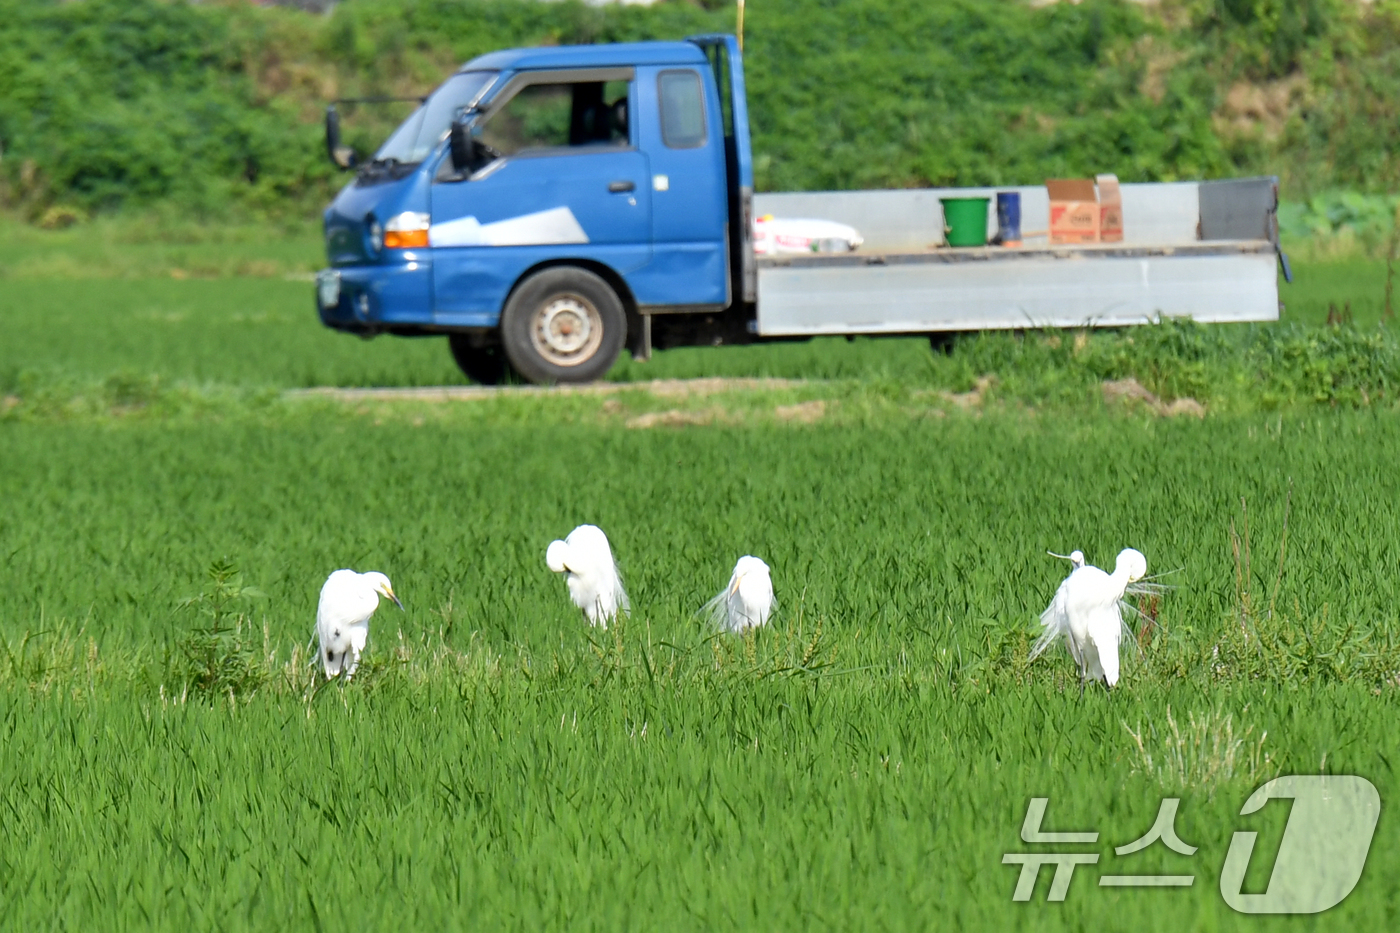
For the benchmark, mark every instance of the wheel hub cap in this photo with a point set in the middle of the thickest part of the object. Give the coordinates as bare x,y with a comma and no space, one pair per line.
567,330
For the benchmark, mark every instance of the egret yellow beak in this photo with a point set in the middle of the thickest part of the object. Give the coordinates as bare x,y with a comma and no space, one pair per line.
390,593
735,588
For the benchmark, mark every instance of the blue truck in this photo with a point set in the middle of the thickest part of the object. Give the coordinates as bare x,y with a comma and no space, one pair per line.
546,208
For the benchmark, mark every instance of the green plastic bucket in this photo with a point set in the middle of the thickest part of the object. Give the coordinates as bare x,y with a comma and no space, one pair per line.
965,221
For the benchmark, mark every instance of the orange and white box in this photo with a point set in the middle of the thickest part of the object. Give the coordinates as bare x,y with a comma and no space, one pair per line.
1074,210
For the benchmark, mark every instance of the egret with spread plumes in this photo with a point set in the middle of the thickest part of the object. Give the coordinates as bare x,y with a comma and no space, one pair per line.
595,586
348,599
747,601
1087,612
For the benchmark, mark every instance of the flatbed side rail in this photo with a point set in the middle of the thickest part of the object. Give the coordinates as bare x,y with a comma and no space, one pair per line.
994,289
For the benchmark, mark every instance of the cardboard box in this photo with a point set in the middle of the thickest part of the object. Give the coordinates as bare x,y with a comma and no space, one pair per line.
1110,209
1074,210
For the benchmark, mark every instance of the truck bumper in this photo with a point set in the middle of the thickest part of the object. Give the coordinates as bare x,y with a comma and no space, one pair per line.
368,299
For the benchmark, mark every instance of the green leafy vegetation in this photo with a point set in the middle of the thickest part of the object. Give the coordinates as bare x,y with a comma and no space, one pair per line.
215,108
1342,223
217,658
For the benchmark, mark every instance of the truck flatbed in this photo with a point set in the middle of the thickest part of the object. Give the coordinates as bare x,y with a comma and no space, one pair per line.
900,283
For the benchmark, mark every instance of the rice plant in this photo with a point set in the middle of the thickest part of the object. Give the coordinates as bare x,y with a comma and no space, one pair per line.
1204,754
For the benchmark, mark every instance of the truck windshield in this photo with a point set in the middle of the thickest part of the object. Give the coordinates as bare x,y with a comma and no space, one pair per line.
424,129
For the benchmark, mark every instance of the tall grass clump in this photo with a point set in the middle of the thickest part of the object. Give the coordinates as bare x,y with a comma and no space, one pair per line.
217,657
1201,755
1266,367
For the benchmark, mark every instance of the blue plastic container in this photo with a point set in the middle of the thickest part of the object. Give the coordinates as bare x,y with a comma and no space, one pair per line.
1009,218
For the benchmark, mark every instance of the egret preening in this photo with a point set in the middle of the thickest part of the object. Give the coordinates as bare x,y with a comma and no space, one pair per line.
594,583
748,599
348,599
1086,611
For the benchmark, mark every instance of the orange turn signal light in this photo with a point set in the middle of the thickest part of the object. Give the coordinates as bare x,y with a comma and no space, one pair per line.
405,239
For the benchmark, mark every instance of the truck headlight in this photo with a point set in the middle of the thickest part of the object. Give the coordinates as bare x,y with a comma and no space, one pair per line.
408,230
328,288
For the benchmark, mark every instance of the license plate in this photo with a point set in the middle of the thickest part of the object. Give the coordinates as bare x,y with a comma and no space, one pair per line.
328,288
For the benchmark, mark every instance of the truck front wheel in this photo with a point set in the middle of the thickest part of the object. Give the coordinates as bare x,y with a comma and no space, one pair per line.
563,324
482,364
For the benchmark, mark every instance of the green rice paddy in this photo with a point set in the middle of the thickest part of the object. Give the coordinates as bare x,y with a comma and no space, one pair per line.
864,763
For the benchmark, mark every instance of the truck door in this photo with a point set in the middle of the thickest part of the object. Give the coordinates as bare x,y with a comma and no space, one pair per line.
682,134
727,64
562,178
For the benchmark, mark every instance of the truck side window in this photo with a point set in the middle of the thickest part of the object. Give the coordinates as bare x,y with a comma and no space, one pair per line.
682,109
558,116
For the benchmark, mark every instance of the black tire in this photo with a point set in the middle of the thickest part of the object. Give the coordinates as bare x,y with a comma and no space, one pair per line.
942,342
563,324
484,365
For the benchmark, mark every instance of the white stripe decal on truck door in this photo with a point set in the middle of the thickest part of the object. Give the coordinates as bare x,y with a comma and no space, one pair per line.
543,228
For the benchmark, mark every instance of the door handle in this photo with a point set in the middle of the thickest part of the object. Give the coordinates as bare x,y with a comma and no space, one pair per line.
620,187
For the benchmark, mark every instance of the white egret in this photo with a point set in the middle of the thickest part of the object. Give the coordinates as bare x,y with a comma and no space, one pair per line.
348,599
594,583
1086,612
1056,609
748,599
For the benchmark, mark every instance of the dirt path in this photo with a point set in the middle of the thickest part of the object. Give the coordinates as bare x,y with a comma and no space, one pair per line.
661,388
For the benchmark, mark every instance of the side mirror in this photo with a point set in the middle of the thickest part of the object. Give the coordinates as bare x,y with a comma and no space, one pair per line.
342,157
463,150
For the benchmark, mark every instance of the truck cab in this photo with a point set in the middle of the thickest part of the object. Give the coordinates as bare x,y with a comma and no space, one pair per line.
543,204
